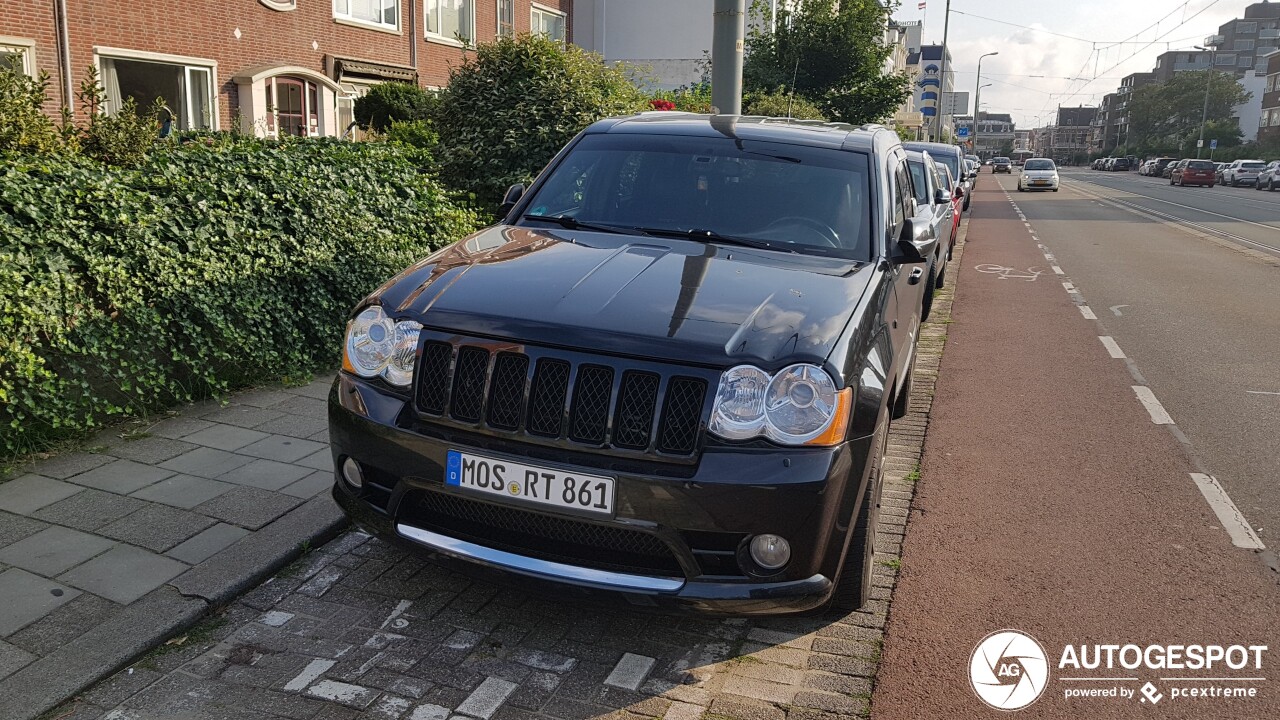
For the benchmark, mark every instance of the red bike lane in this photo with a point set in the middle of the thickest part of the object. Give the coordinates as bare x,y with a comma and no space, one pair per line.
1049,503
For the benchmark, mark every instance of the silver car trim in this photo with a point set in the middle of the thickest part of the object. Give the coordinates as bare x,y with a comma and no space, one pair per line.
535,567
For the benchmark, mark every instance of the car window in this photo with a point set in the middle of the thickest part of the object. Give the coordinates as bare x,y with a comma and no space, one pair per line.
918,180
1252,165
934,175
810,199
1200,164
1040,164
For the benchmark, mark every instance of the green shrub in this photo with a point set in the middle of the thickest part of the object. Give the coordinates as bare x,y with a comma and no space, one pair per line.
392,102
23,127
122,138
215,263
689,98
514,103
414,133
779,104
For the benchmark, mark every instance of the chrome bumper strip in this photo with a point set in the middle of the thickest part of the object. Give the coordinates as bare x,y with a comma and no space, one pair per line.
536,567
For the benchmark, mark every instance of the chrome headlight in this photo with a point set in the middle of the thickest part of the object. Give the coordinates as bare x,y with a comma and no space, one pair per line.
376,346
797,405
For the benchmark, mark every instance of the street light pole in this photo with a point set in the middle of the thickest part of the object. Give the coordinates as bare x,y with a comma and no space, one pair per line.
1204,114
977,93
942,78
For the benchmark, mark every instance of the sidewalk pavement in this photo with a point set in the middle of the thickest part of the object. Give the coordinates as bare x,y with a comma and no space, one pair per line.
105,553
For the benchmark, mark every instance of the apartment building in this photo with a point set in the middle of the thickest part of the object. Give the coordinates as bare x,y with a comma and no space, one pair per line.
269,67
1269,123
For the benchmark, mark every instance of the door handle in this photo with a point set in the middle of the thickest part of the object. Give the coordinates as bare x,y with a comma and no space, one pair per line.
914,277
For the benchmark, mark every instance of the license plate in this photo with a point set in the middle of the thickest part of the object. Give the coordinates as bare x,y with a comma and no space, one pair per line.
1039,182
520,483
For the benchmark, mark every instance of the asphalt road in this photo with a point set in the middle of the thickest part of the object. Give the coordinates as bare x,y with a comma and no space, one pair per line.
1249,217
1199,317
1050,502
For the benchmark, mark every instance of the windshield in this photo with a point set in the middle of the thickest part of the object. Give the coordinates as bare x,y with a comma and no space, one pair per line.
1038,165
801,198
1000,160
1200,165
951,162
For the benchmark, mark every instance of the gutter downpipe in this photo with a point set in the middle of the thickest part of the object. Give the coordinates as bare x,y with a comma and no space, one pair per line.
64,54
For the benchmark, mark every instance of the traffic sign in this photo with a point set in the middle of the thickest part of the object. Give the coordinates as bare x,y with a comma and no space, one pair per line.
1200,143
962,132
1213,144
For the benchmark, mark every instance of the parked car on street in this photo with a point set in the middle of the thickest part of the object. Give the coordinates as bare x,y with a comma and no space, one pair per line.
1167,170
1269,177
1038,174
953,158
1218,168
957,196
976,160
1193,172
931,194
1118,164
1242,172
667,373
973,171
1001,165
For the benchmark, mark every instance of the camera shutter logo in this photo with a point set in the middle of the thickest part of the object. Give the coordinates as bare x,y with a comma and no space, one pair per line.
1008,670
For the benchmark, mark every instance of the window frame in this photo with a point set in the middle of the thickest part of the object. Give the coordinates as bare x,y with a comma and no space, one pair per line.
433,36
24,47
280,5
349,19
186,63
511,4
535,8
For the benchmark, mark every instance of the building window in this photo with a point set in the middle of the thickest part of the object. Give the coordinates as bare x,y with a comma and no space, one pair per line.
351,91
1243,44
281,5
293,107
378,13
1245,61
18,55
1224,59
1243,28
506,18
186,91
451,19
548,22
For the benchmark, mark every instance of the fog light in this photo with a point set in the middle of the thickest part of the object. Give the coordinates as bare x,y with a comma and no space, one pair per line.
770,552
351,473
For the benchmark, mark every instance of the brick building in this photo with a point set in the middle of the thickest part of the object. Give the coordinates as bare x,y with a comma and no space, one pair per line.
266,66
1269,124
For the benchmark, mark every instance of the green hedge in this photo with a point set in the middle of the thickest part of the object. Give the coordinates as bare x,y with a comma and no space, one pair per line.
216,263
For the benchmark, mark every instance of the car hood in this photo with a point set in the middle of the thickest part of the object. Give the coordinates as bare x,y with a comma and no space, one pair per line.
639,296
1040,174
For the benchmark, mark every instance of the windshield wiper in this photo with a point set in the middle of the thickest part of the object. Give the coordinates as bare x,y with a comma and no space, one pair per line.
713,236
572,223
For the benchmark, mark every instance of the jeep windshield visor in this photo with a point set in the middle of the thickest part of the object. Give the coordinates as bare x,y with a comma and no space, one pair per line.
788,197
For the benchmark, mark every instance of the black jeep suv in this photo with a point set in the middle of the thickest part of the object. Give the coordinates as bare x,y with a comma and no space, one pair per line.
668,373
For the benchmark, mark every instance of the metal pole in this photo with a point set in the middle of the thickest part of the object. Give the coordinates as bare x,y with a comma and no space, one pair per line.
1204,114
727,38
977,93
942,84
64,56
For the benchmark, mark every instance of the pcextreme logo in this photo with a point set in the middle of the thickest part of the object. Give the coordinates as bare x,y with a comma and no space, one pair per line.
1008,670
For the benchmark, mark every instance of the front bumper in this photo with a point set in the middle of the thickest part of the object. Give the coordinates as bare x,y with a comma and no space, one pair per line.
806,495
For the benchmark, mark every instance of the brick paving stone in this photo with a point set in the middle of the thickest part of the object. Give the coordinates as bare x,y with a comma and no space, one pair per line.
121,476
123,573
631,671
248,507
282,448
245,416
265,474
319,460
343,693
182,491
224,437
261,397
15,527
207,543
64,624
29,493
484,701
64,466
13,659
206,462
27,598
298,426
156,527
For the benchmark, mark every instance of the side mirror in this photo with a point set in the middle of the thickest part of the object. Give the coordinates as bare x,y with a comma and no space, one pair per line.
514,193
940,196
916,243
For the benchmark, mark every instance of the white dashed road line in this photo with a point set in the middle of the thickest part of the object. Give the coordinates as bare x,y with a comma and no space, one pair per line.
1112,347
1242,534
1087,312
1148,399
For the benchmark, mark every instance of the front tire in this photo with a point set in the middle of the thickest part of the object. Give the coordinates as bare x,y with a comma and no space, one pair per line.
853,587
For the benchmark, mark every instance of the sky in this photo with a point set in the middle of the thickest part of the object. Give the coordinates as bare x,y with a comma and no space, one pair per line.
1016,29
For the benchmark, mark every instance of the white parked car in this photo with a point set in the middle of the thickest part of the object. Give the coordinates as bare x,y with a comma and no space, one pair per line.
1038,174
1242,172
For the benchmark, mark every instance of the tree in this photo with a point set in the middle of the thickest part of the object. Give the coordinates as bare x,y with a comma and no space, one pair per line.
1165,117
830,52
515,102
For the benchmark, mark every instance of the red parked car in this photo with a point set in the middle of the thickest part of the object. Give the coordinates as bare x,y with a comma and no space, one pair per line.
1193,172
